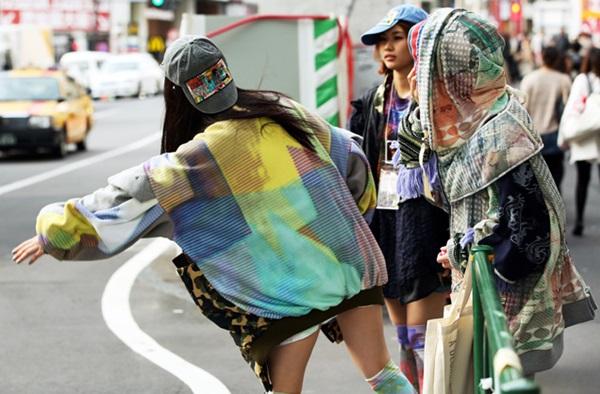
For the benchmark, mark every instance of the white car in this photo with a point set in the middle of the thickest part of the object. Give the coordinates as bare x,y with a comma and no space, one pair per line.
83,66
129,75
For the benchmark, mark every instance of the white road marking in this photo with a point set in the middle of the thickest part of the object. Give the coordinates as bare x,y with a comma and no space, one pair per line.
118,317
44,176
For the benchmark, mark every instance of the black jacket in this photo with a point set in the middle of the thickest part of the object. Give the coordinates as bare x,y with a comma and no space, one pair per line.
368,121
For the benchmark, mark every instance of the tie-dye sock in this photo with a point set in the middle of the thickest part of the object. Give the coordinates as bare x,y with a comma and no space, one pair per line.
416,340
390,381
407,358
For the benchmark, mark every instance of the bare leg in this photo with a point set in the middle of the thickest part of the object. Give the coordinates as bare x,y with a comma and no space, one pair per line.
362,329
397,311
287,364
430,307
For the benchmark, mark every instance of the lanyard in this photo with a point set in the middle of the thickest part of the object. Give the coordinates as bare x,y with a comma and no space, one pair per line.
390,145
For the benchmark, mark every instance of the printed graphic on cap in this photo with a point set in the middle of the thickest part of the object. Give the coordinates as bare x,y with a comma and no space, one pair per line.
211,81
389,19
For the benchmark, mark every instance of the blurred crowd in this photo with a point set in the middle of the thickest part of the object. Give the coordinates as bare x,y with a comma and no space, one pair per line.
523,52
558,76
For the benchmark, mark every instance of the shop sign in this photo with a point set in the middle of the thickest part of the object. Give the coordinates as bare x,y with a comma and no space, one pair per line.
59,15
156,44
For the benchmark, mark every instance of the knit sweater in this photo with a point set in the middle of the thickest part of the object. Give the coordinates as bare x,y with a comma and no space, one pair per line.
276,228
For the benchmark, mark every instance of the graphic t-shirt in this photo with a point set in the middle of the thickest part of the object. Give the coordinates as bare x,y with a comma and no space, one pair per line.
387,195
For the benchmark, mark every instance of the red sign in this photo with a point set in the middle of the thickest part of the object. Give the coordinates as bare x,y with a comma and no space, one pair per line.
516,15
59,15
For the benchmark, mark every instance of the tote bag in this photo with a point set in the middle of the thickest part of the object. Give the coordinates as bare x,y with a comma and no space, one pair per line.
582,131
449,346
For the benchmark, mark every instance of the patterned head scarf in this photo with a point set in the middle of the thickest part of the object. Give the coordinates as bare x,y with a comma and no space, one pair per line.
467,115
413,40
461,70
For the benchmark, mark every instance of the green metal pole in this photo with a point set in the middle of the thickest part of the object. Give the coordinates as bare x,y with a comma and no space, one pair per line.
478,364
498,337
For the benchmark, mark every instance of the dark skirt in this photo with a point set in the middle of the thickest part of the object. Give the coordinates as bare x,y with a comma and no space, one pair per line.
410,239
256,336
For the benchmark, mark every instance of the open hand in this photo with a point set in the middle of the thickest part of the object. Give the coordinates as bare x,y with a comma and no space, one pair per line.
31,249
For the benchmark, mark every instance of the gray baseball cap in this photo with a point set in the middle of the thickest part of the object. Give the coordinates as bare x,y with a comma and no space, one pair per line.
197,66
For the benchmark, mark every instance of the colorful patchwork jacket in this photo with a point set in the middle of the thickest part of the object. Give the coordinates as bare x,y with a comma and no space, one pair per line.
277,229
495,183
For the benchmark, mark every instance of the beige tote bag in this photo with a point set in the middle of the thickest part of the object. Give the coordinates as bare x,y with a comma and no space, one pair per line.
449,346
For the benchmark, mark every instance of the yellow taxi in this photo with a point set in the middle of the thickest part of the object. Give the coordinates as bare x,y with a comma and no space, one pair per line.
43,109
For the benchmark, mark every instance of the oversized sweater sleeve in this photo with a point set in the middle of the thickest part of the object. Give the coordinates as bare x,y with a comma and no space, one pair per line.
104,222
360,181
521,238
516,225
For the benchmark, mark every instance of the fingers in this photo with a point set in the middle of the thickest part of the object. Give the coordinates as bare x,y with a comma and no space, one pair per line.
30,249
36,256
442,258
412,81
444,261
22,252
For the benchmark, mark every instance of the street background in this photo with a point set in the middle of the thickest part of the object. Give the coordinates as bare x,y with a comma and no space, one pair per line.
53,335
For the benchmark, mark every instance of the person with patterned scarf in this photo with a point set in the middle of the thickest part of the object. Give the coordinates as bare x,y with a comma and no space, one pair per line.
410,230
493,181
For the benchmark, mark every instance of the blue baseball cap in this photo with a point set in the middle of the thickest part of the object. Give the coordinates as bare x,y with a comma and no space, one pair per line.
402,13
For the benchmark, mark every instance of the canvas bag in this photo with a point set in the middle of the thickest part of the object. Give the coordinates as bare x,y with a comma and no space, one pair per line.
448,356
582,132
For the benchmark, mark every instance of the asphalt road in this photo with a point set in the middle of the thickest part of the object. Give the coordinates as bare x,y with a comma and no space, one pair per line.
54,339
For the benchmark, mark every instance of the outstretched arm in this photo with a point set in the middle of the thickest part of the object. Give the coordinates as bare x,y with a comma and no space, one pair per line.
100,224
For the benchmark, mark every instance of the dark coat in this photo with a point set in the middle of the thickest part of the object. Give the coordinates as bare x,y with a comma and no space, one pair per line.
368,121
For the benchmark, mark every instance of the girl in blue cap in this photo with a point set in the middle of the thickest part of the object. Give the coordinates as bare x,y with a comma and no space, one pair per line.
408,229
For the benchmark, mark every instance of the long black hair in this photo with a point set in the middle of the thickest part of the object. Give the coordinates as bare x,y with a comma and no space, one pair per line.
183,121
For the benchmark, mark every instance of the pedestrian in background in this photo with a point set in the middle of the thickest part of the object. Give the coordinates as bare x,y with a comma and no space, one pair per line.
587,153
511,59
581,47
538,42
547,91
408,229
496,184
526,56
561,41
274,241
